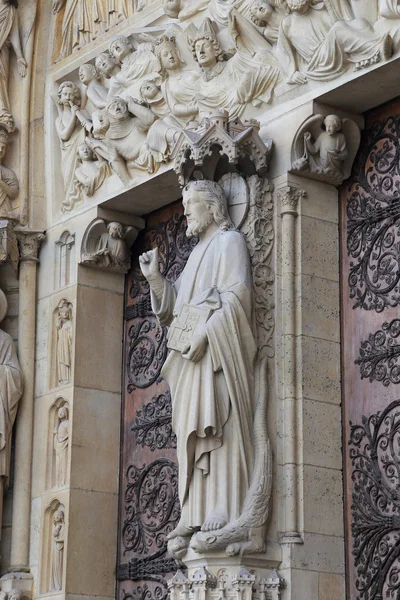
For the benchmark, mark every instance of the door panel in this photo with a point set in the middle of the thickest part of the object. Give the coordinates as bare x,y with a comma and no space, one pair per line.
370,280
149,505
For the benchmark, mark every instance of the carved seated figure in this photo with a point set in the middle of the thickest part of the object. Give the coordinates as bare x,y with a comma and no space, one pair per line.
135,64
232,84
327,154
112,250
96,92
124,145
92,171
320,44
9,187
389,20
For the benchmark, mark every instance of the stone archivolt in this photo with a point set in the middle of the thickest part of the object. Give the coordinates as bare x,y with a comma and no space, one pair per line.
127,114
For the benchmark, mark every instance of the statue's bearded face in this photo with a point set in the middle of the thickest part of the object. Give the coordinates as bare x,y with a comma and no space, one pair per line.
299,6
197,213
205,53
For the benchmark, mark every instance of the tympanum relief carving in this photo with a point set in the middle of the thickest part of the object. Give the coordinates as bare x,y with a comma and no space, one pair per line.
125,115
14,594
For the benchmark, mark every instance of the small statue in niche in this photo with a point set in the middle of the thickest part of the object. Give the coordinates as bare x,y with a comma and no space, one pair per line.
57,551
124,145
71,124
262,14
96,92
135,65
110,250
9,186
327,154
11,387
9,38
61,440
93,170
64,341
327,39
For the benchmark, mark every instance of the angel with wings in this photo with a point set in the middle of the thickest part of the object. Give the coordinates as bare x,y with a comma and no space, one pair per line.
330,156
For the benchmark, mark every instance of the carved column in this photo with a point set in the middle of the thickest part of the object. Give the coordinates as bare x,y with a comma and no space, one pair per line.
289,197
29,244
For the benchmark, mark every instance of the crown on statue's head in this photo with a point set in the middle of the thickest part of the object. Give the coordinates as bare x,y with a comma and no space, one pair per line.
165,42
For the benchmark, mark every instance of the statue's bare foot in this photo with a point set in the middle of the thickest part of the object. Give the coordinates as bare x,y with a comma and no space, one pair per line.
214,521
178,546
180,531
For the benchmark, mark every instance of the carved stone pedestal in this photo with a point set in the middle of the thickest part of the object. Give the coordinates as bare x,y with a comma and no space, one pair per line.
221,577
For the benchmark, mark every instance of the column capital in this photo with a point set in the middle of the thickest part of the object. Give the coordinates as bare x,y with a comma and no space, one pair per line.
29,241
289,197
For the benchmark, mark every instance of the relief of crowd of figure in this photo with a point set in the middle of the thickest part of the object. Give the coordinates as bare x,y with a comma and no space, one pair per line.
134,100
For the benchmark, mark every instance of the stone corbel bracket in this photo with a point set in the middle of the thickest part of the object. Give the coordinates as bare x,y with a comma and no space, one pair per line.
106,245
326,158
238,141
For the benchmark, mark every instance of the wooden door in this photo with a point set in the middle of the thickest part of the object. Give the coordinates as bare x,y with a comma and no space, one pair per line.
370,276
149,505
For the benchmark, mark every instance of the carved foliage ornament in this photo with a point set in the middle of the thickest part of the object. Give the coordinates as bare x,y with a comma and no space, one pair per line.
379,357
373,219
375,460
152,424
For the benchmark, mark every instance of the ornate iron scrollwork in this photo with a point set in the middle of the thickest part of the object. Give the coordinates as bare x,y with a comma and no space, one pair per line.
146,353
373,226
144,593
379,358
375,459
153,423
151,505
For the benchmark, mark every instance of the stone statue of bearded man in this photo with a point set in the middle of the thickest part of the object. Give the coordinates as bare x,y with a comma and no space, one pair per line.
210,366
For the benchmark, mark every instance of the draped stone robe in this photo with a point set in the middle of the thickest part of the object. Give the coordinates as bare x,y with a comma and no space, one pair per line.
8,15
212,400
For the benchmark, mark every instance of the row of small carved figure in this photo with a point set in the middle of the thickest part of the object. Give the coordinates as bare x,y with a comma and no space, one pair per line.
139,96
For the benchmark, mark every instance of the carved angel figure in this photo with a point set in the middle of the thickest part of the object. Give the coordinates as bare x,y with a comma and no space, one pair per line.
124,145
92,171
321,41
9,38
57,551
64,342
135,64
70,125
110,249
9,186
61,439
249,76
330,156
